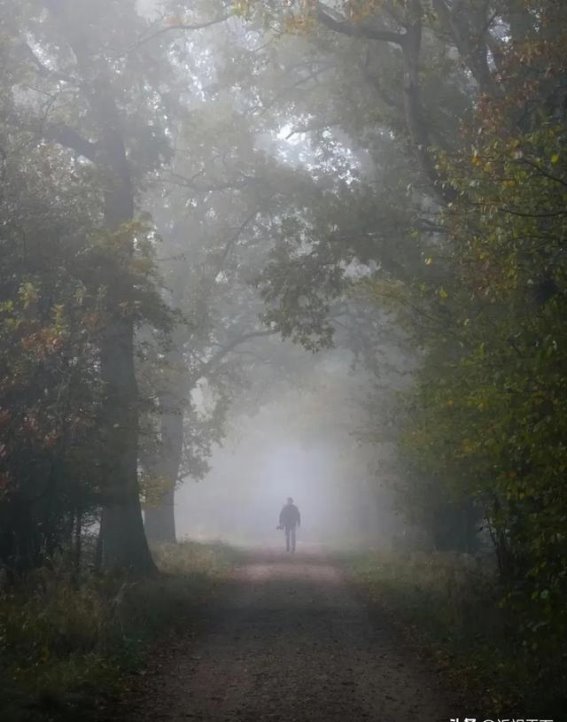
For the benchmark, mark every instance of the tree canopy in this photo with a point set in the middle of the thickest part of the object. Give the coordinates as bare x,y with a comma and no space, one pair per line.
184,181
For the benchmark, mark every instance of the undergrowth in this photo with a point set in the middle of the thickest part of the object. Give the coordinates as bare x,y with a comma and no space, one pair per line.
450,605
64,643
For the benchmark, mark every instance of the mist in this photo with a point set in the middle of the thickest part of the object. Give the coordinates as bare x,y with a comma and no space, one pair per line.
302,442
262,250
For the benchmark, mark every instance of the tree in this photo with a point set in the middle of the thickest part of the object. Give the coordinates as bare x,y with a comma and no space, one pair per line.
83,82
219,212
56,263
490,414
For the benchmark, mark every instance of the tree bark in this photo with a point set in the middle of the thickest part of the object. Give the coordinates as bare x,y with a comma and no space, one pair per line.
160,518
177,384
414,113
124,545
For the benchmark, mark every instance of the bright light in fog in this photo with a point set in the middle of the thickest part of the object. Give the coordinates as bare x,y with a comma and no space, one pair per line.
242,497
289,448
292,471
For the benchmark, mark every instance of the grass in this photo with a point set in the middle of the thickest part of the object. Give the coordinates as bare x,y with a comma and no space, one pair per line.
64,645
65,648
449,605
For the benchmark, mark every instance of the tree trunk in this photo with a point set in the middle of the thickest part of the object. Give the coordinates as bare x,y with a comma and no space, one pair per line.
124,544
160,519
76,541
415,117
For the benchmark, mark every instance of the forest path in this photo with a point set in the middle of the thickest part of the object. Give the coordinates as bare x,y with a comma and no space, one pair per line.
290,641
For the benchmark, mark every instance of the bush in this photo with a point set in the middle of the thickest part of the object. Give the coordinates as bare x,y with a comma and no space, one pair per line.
64,641
450,604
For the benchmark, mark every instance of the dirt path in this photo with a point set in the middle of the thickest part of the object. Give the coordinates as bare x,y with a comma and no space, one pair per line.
291,642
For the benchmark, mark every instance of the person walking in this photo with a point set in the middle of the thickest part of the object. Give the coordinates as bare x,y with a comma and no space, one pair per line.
290,518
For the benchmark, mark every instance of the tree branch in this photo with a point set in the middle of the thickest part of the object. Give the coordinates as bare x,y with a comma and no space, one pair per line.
472,47
69,138
356,30
410,43
42,69
184,182
179,26
233,239
231,345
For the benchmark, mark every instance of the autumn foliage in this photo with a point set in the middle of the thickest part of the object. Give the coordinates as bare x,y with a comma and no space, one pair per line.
489,416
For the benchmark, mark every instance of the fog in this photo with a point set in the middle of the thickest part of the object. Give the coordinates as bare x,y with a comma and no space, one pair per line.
261,249
301,441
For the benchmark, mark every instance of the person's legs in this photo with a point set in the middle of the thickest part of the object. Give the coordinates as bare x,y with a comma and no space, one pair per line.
292,530
287,530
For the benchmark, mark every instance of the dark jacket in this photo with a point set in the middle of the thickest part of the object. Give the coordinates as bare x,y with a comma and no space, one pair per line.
289,516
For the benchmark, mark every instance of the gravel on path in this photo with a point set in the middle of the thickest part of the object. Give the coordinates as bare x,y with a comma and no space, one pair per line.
292,642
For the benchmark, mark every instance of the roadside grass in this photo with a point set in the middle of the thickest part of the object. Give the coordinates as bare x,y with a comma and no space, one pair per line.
449,605
66,643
